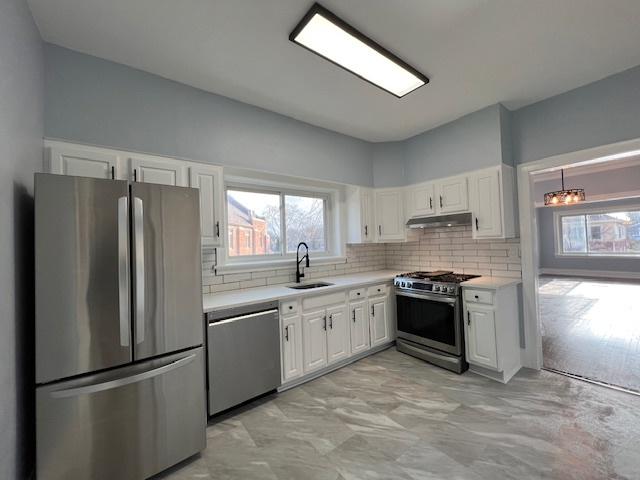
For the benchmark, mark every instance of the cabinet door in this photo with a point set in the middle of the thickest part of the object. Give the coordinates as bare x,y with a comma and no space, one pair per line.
208,180
367,216
420,200
338,344
486,204
359,327
480,330
378,321
79,162
453,195
158,170
291,347
389,215
314,334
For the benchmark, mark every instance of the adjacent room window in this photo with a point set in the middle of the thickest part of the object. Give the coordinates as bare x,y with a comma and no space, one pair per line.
270,223
599,232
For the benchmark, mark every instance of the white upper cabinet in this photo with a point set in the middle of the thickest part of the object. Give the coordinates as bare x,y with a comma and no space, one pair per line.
360,222
164,171
208,179
492,202
80,161
421,200
453,196
389,214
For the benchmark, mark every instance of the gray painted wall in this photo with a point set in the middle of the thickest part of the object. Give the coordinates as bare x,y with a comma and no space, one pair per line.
548,258
21,129
469,143
389,164
99,102
600,113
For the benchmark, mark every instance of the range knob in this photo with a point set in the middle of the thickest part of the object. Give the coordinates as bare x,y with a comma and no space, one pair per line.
402,284
436,288
409,284
451,289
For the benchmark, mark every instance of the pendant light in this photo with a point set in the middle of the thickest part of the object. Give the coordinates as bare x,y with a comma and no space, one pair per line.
564,197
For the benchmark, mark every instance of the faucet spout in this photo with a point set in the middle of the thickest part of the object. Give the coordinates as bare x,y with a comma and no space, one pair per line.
299,274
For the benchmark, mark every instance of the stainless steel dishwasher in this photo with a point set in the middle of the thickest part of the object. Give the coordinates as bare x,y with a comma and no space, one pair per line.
243,349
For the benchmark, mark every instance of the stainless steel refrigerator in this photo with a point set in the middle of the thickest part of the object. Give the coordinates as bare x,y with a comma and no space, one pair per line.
119,328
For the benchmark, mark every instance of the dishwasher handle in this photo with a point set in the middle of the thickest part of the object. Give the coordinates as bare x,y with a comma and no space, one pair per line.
213,323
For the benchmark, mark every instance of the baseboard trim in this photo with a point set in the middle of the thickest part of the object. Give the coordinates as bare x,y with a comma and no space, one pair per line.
348,361
591,273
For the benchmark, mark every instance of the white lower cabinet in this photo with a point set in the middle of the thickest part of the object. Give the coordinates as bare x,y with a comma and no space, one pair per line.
359,327
291,347
481,336
338,342
314,335
492,331
320,331
378,321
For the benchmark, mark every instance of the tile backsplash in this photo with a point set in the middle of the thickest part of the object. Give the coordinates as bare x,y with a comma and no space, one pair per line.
453,248
430,249
360,258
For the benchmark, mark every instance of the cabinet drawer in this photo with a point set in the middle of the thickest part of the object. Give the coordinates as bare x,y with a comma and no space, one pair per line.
357,294
289,307
377,290
323,301
478,296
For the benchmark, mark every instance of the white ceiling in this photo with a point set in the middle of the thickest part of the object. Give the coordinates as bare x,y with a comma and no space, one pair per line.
476,52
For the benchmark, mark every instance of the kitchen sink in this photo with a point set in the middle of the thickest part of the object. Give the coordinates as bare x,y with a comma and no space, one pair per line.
306,286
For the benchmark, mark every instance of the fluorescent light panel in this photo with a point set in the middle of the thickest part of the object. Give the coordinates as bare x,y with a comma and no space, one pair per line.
330,37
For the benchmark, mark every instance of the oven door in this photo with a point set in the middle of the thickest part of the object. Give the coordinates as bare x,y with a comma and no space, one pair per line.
430,319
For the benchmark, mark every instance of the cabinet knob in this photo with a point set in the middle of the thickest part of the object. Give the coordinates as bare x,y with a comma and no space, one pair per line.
290,307
477,297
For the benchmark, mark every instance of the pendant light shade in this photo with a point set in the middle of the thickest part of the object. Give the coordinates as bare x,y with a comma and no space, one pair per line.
564,196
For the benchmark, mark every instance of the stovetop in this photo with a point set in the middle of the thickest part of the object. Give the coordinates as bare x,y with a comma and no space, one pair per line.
443,282
444,276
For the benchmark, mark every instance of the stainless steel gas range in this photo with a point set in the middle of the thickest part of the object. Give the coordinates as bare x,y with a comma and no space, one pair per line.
430,317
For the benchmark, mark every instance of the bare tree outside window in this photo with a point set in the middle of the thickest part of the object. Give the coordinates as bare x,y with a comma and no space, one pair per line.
304,218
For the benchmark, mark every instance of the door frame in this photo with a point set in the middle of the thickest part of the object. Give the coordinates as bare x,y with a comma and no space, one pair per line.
530,253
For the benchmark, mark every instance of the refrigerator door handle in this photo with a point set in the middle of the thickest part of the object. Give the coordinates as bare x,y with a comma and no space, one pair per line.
138,217
120,382
123,271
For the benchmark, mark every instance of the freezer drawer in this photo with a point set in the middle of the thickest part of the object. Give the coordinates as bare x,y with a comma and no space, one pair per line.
244,356
128,423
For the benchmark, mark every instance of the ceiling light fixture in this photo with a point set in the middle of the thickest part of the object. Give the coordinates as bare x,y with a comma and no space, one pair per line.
330,37
564,197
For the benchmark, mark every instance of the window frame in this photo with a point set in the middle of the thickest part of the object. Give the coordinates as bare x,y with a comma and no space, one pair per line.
253,262
572,212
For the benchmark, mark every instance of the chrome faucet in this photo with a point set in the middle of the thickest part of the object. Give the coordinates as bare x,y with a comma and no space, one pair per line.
298,260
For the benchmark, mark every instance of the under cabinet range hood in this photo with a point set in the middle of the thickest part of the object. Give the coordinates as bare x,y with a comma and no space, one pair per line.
454,220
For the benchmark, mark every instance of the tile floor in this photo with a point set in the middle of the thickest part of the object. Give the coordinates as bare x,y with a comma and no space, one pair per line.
391,416
591,328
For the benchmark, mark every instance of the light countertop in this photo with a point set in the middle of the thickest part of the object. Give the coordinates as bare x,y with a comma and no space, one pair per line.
238,298
493,283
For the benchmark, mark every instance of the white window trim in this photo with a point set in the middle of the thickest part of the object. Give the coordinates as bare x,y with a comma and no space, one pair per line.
571,212
333,236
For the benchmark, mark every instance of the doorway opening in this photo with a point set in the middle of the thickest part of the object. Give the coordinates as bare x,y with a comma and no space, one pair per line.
581,266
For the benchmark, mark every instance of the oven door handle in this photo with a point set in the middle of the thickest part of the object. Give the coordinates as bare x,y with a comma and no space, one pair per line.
429,296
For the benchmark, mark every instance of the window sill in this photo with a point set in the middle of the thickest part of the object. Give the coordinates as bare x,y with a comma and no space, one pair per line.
595,255
263,265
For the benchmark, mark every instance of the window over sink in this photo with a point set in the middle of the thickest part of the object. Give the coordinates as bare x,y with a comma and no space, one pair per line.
266,223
